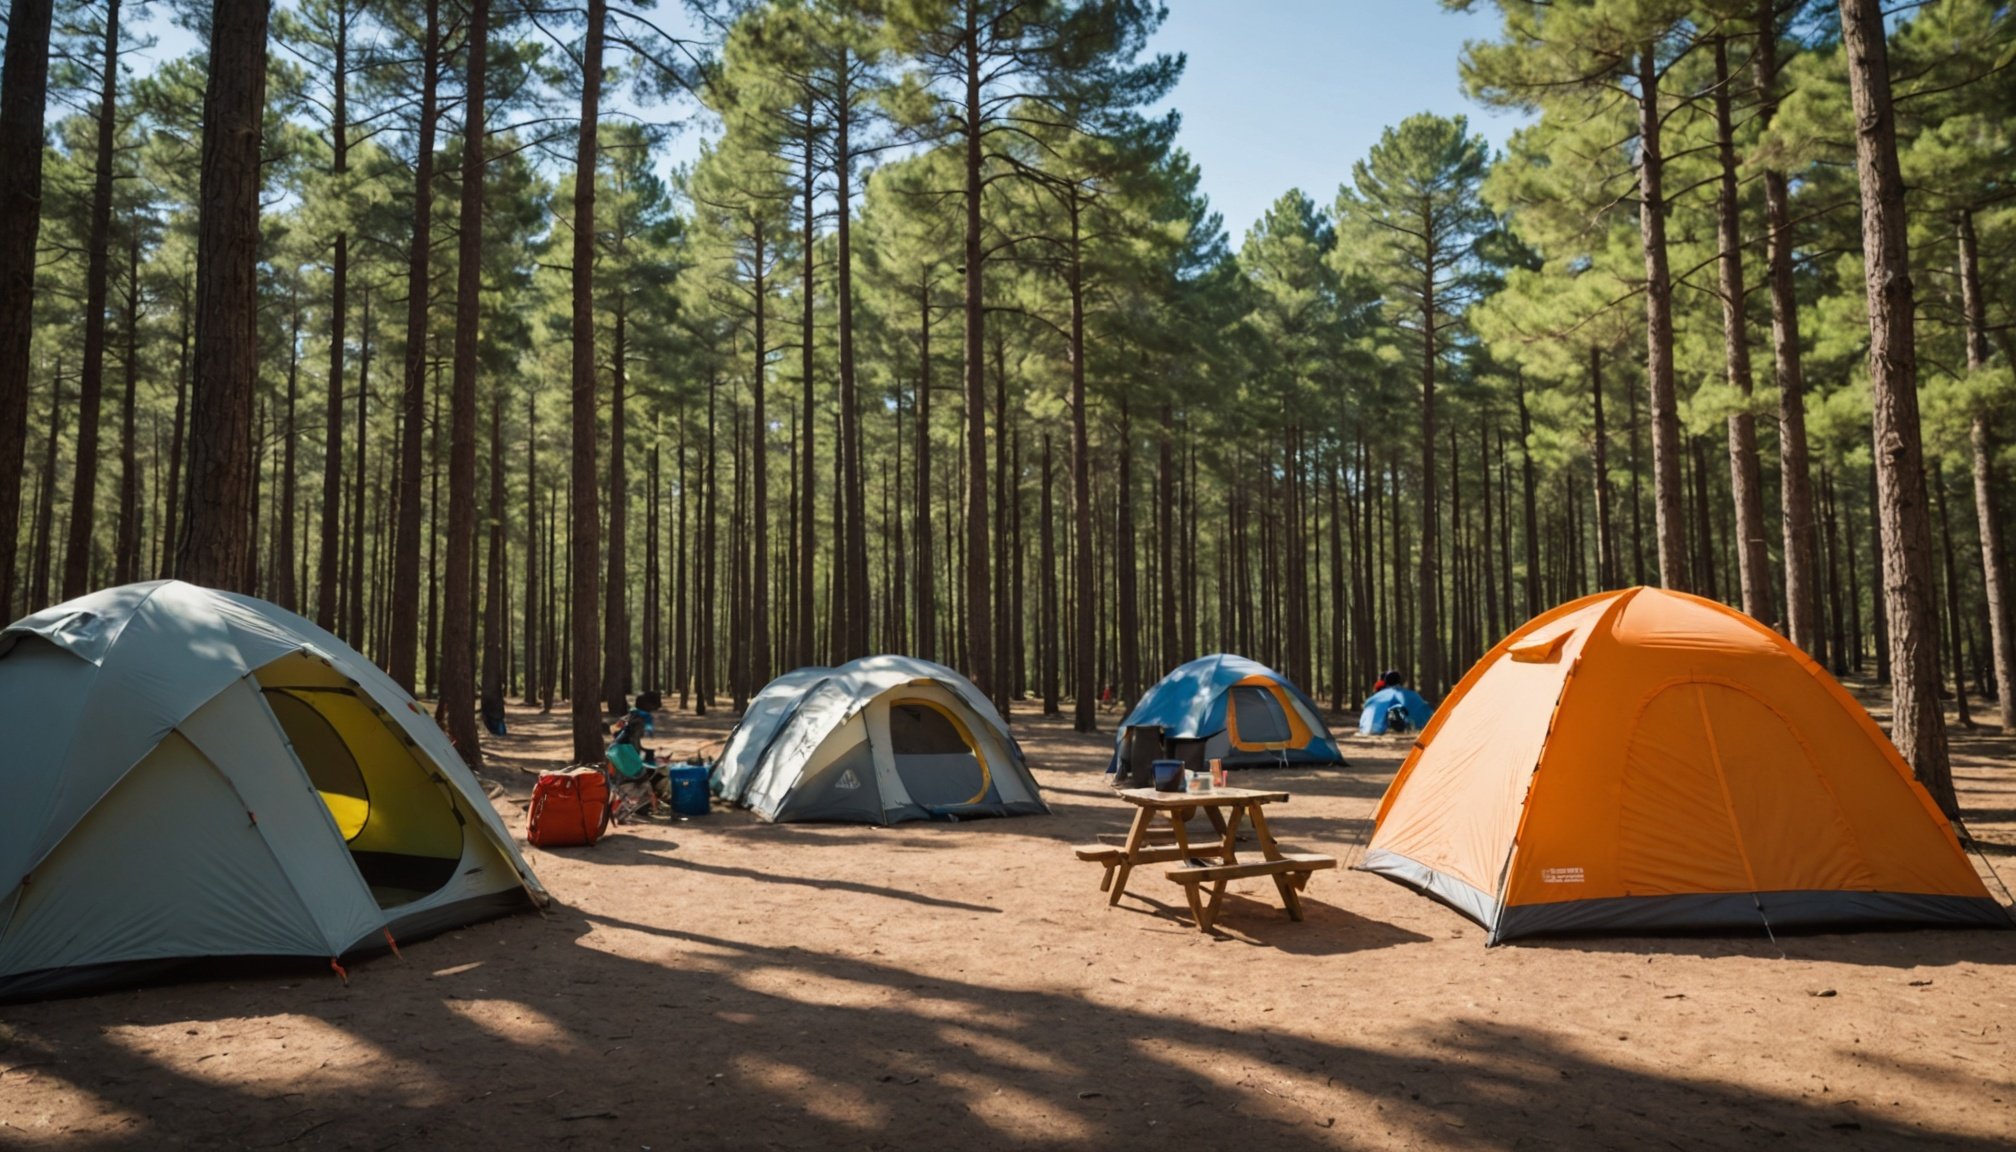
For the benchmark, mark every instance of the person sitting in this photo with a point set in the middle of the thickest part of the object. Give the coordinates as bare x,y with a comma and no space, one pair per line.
638,780
637,723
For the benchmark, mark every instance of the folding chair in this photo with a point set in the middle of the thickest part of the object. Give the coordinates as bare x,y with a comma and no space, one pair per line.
635,784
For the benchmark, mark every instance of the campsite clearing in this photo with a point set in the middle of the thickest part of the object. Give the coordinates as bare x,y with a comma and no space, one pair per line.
726,982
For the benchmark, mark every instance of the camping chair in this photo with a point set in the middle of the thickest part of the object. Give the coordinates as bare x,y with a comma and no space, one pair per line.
636,785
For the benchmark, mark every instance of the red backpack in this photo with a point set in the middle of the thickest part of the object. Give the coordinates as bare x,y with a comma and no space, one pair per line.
568,808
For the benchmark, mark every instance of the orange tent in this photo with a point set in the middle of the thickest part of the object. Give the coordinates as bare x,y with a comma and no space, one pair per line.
1647,760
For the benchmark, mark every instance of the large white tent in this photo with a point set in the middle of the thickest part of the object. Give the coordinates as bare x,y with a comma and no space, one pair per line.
879,740
193,774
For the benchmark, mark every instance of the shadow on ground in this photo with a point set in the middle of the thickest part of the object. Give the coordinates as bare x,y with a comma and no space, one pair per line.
707,1049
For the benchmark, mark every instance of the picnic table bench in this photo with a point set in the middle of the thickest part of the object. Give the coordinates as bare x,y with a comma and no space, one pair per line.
1160,834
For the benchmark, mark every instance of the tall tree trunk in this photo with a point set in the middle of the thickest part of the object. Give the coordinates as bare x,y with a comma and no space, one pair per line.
1533,601
1016,670
1125,570
1879,616
1953,628
251,575
759,461
171,502
1837,641
979,625
339,281
457,708
564,653
1165,529
430,642
24,84
1606,538
549,632
215,540
533,637
1004,481
127,555
1666,448
703,620
1429,677
808,479
896,563
406,534
1917,728
1981,446
738,563
853,480
1047,644
927,594
353,592
1364,549
1746,480
283,568
616,587
1338,679
97,276
45,503
494,606
585,541
653,673
1703,578
1083,686
1801,565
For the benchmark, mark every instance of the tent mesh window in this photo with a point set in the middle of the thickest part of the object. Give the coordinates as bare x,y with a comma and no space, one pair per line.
1258,716
922,729
939,767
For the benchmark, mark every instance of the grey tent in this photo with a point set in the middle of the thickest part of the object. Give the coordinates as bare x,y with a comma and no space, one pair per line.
880,740
195,774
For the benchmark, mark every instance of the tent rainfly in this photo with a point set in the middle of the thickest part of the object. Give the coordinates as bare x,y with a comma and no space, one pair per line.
879,740
196,774
1646,760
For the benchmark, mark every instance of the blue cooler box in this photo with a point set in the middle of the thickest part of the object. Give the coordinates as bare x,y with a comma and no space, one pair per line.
689,789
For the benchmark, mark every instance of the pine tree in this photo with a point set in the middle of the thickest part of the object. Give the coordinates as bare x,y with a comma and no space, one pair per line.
975,63
1417,214
584,530
457,708
1917,727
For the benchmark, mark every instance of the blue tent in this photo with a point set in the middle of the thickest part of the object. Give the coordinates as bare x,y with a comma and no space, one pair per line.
1232,709
1377,719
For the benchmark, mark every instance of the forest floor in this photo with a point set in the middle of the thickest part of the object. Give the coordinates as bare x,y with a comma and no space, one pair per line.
719,982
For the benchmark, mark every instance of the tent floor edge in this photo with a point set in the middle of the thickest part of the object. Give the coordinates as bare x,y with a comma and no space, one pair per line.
1473,904
83,980
1726,913
443,918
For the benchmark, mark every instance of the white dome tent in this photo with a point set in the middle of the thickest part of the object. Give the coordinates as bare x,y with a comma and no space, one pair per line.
194,774
878,740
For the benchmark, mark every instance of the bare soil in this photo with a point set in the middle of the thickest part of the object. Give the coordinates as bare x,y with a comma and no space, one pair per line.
720,982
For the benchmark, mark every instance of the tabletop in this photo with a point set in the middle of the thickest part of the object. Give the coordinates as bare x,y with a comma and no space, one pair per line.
1217,797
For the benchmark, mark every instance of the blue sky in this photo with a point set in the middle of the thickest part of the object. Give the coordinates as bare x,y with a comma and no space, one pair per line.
1284,94
1278,94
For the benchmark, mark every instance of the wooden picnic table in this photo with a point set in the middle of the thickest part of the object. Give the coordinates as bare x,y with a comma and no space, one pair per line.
1226,808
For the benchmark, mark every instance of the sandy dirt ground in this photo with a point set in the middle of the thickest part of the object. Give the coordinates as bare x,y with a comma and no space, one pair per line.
722,983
